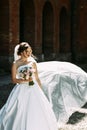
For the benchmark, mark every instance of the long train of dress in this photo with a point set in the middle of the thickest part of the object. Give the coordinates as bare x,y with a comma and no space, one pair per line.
65,85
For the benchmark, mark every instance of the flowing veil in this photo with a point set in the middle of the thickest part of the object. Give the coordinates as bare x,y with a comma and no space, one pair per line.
16,57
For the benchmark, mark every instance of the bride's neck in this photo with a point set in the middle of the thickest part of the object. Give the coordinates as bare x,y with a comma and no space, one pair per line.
23,59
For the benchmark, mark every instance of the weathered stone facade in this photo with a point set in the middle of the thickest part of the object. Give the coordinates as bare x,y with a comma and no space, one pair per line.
56,29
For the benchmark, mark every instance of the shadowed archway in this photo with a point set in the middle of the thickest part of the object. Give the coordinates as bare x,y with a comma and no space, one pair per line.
47,29
64,32
27,21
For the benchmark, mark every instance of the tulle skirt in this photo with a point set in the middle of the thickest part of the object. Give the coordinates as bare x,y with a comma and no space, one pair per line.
65,86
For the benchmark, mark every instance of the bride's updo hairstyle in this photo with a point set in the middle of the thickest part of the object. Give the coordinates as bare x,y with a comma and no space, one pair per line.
23,46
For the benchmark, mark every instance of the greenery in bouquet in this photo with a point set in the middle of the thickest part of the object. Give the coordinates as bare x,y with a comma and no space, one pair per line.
26,73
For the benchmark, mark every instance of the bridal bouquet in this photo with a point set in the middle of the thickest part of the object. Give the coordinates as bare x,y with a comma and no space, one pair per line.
26,73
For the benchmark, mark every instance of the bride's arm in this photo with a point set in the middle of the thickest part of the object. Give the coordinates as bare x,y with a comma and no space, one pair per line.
13,75
36,75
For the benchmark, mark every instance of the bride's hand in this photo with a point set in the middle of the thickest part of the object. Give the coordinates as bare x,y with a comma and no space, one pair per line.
27,79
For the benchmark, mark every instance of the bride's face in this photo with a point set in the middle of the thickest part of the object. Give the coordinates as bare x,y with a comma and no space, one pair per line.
27,53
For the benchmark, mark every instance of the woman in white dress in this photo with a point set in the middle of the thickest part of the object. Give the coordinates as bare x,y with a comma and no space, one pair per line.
27,108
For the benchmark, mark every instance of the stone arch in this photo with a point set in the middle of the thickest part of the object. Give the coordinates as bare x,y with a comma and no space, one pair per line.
47,29
64,31
27,21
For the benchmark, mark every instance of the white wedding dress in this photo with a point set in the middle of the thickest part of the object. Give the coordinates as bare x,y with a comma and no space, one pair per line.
65,86
27,108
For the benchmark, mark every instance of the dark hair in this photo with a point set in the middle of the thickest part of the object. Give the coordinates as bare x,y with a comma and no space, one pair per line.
22,47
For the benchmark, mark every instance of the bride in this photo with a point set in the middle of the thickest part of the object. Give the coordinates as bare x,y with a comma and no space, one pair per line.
65,86
27,108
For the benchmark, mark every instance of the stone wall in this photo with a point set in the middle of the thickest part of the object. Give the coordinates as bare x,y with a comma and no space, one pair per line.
53,28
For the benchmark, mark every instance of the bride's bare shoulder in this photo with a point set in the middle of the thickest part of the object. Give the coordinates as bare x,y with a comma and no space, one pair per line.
17,63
